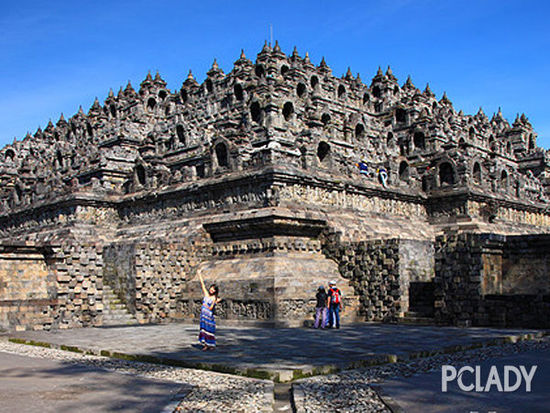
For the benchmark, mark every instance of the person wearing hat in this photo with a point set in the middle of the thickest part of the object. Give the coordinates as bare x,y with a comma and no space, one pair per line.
321,309
334,305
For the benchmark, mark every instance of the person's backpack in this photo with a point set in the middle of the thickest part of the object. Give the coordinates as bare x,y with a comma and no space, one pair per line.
335,296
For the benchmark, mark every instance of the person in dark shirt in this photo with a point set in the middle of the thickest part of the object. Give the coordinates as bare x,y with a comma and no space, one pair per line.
321,309
363,168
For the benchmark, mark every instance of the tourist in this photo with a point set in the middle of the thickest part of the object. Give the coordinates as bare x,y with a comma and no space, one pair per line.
207,334
334,305
321,308
383,176
363,168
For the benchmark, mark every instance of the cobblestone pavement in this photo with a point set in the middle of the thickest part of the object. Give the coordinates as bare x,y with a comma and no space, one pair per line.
191,390
354,390
282,350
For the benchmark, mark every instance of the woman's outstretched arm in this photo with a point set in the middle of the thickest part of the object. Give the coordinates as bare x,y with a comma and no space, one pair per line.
204,290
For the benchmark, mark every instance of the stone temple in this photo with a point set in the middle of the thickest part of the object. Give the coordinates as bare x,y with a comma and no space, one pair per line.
251,179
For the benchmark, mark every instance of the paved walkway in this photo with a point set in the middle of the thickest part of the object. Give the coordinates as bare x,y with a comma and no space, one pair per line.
422,393
39,385
286,352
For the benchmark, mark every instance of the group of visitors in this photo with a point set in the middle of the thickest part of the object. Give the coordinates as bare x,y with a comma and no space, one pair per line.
327,309
327,314
381,172
329,303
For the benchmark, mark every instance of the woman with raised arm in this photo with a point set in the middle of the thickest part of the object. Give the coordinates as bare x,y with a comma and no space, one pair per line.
207,334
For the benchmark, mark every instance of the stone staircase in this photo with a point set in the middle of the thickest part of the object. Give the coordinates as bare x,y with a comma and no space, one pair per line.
413,317
421,308
114,311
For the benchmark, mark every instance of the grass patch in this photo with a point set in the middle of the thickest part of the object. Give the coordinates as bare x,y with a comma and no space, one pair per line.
330,369
39,344
258,374
124,356
70,348
29,342
220,368
299,374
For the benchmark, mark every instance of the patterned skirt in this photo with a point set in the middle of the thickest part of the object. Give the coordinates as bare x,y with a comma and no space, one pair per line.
207,334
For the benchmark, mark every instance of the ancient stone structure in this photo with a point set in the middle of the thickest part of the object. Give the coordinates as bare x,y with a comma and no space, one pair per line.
251,179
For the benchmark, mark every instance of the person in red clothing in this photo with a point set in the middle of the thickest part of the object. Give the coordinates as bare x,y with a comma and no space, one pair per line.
334,305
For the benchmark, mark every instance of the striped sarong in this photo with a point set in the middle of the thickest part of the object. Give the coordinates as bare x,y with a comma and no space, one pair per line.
207,334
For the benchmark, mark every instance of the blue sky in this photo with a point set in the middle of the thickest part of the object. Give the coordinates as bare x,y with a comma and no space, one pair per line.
55,56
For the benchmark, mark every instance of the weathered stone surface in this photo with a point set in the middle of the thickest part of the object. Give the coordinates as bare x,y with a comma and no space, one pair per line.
484,279
259,168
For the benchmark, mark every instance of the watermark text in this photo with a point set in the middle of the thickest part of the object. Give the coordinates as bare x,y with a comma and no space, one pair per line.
473,379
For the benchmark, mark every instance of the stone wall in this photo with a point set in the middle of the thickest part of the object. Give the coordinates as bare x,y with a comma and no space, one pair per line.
381,271
526,265
79,273
483,279
150,277
24,274
32,314
517,310
149,170
45,287
119,272
509,213
27,287
458,277
66,289
270,280
523,298
242,299
480,279
416,274
162,270
277,110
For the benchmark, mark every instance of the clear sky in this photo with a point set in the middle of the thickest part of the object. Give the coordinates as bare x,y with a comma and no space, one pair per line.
55,56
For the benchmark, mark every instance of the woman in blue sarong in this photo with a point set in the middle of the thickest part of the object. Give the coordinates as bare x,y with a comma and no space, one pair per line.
207,334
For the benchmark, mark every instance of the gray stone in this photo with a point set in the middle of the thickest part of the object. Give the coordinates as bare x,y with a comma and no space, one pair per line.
251,180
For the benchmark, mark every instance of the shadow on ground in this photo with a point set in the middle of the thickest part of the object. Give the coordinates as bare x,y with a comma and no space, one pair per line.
31,384
296,350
